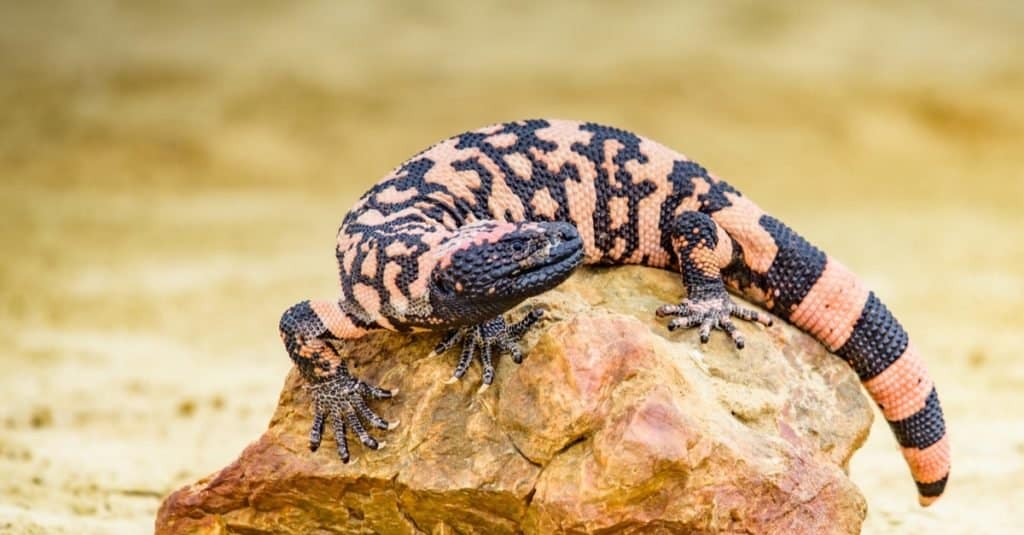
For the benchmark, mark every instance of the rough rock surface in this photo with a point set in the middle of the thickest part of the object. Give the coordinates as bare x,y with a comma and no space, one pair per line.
611,424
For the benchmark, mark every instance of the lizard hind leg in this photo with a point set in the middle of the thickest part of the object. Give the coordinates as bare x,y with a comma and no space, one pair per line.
704,249
339,399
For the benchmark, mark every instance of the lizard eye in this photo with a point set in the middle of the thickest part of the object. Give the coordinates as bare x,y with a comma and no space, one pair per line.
446,285
518,246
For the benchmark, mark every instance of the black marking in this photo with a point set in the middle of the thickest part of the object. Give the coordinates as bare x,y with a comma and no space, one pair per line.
682,179
524,187
933,489
740,277
482,195
715,199
923,428
699,230
797,266
619,184
876,342
297,324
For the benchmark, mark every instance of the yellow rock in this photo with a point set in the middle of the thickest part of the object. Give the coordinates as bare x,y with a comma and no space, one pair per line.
611,423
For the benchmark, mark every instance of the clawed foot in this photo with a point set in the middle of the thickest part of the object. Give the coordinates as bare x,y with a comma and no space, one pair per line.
482,339
343,400
711,313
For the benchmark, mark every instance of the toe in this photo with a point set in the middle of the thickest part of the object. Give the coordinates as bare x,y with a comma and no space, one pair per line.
448,341
684,323
488,365
464,360
747,314
366,413
730,328
338,423
316,433
681,309
374,392
705,330
516,330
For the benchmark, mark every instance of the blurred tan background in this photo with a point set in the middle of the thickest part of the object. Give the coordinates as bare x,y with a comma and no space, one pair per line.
172,177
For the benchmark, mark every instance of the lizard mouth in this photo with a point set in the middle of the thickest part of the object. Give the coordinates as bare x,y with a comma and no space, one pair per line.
563,255
567,261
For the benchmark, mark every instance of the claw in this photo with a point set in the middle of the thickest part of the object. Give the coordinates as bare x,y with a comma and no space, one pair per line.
705,330
483,388
393,424
451,380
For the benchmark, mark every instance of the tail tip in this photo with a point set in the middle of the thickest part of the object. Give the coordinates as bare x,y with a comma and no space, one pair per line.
929,493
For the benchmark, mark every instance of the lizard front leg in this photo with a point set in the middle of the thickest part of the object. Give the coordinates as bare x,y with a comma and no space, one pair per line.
483,339
704,249
339,399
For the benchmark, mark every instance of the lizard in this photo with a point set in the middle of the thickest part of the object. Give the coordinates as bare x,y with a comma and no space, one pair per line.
470,227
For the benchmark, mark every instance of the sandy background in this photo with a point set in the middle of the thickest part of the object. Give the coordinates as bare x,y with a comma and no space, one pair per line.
171,180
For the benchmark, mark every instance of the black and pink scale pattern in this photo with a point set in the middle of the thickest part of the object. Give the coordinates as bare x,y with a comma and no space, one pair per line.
470,227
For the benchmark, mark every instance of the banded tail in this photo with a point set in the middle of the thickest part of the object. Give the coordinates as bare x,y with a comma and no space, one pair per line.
822,297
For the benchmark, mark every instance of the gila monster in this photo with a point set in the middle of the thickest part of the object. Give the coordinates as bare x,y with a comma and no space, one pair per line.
470,227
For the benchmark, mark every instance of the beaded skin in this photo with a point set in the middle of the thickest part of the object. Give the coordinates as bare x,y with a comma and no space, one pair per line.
467,229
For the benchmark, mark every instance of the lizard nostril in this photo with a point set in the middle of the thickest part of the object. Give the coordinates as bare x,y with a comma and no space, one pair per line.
568,231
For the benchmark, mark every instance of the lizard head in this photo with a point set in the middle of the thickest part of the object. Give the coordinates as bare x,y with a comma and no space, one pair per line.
488,267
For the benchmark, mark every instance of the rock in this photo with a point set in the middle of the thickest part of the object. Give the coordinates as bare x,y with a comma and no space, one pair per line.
611,424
